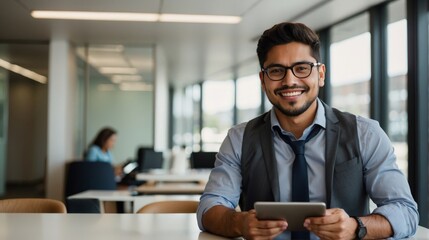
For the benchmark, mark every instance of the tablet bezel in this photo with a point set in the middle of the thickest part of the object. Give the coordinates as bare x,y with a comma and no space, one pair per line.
293,212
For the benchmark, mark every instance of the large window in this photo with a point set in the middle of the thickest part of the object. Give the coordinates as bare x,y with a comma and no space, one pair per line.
248,97
351,65
186,114
397,73
218,105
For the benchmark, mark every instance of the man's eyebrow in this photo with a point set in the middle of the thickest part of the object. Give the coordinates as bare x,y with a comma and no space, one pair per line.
281,65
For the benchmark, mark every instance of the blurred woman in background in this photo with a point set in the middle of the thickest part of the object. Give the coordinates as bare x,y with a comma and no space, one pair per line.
99,149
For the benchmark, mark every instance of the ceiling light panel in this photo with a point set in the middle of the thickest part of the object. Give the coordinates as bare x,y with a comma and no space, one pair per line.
106,48
199,18
135,17
122,78
105,60
100,16
135,87
23,71
118,70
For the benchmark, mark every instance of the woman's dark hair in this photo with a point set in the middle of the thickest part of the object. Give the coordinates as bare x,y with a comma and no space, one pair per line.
102,136
284,33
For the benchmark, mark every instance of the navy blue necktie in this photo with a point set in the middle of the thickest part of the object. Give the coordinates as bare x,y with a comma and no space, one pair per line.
300,192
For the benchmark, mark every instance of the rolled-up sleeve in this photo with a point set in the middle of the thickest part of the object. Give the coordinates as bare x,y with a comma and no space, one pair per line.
386,184
224,185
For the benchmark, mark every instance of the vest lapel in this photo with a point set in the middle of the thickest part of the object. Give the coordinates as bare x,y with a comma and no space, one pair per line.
332,138
265,133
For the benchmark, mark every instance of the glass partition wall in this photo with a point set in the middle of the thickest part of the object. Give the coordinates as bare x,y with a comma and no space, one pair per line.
23,118
118,84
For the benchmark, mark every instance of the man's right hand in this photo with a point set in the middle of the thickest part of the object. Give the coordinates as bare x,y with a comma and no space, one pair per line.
227,222
261,229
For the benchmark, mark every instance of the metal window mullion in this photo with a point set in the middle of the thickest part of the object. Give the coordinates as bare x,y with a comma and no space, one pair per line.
325,41
379,84
417,26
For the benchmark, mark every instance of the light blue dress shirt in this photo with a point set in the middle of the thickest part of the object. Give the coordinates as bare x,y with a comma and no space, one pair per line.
95,154
385,183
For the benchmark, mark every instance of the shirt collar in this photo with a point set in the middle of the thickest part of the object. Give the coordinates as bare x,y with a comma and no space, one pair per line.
320,120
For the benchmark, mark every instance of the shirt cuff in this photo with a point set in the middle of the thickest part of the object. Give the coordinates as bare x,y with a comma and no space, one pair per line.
207,202
401,225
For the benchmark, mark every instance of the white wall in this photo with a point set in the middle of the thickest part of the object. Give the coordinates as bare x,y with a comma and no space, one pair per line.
61,90
161,100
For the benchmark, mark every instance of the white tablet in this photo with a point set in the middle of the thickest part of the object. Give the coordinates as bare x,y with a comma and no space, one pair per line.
293,212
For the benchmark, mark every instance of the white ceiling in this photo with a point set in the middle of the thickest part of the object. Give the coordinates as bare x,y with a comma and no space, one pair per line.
193,51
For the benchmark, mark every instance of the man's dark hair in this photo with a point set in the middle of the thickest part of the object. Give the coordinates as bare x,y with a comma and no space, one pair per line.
284,33
102,136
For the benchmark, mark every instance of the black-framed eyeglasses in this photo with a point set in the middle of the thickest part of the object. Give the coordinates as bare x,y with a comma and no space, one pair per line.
277,72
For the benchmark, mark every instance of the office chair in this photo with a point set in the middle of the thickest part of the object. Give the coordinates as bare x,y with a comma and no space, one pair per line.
83,205
32,205
177,206
203,159
84,175
147,159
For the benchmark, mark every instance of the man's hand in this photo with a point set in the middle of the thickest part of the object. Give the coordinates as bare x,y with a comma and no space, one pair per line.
261,229
336,224
227,222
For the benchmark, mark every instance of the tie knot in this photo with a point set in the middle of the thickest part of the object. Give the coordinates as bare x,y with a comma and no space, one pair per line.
298,147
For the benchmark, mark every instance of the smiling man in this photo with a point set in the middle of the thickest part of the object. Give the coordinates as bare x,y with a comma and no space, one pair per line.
305,151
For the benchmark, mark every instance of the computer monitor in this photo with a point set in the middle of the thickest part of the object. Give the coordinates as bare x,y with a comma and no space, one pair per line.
148,159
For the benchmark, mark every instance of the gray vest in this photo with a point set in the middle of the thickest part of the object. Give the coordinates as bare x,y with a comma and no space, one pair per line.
345,187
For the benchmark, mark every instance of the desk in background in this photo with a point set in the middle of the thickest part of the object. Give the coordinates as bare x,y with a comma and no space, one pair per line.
136,202
190,182
171,188
201,176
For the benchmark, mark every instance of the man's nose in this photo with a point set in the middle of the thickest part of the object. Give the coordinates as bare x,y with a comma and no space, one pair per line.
289,78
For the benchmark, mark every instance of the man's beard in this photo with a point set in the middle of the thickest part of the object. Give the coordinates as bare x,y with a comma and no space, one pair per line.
293,112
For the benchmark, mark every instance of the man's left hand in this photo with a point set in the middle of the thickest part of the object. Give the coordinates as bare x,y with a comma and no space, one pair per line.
336,224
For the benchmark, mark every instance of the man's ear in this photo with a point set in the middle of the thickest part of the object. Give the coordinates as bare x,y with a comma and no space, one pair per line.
261,77
322,71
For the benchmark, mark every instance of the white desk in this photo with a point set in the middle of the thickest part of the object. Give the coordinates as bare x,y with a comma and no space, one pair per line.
101,227
124,196
106,195
191,175
162,182
110,227
171,188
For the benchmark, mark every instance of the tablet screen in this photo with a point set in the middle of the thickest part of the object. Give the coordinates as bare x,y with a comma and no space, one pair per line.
129,167
293,212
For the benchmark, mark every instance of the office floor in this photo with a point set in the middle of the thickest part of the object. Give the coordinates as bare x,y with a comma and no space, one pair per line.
24,190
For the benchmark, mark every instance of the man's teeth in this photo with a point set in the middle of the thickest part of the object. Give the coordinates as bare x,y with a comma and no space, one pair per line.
291,94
